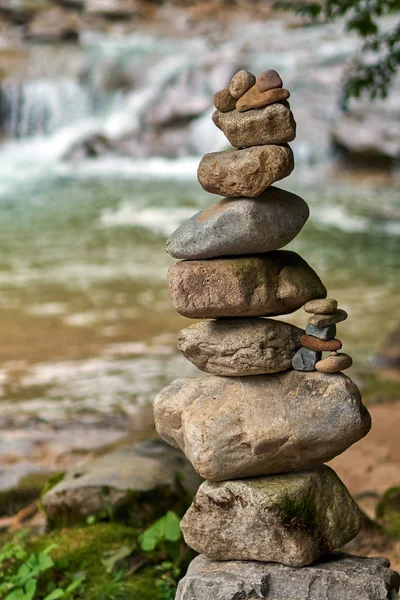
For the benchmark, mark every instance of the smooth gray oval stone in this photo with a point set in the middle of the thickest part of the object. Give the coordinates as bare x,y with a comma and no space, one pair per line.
241,226
323,333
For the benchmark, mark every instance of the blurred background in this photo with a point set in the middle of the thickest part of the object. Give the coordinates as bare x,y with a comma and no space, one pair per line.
105,111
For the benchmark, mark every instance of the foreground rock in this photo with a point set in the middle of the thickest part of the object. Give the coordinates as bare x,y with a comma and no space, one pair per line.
338,576
246,172
292,518
139,483
242,226
270,284
232,427
273,124
240,347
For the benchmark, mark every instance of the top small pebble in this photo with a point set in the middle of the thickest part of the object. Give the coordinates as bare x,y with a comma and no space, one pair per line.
268,80
323,306
241,83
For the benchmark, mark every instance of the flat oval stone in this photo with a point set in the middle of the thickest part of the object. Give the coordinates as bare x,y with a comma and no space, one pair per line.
246,172
276,283
322,333
313,343
273,124
233,427
238,347
334,363
223,101
321,306
326,320
238,227
268,80
305,359
291,518
255,99
240,83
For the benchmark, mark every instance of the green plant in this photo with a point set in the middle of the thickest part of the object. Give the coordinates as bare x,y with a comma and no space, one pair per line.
166,529
373,70
21,572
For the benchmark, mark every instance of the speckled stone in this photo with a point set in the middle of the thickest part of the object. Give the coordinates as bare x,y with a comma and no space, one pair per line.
321,306
223,101
239,227
240,83
273,124
305,359
334,363
323,333
326,320
313,343
255,99
268,80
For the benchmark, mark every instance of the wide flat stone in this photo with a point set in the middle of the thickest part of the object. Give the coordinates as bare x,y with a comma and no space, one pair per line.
324,320
337,576
141,481
321,306
314,343
273,124
291,518
246,172
233,427
269,284
238,347
239,227
253,98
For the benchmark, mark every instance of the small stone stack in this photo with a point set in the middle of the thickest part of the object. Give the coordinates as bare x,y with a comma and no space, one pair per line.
257,429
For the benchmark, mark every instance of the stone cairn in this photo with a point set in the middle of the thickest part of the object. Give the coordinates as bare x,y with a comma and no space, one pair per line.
269,505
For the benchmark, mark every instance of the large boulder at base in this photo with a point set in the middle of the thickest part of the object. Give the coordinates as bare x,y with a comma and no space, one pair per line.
273,124
238,347
245,172
242,226
276,283
233,427
137,483
337,576
291,518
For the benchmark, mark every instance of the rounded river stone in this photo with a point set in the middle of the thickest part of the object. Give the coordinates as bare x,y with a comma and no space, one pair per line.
240,83
255,99
237,347
223,101
269,80
325,320
234,427
273,124
334,363
321,306
313,343
271,284
242,226
246,172
290,518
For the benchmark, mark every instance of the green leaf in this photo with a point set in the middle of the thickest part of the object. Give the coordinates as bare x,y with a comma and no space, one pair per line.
91,520
74,585
30,589
165,529
172,527
17,594
44,562
58,593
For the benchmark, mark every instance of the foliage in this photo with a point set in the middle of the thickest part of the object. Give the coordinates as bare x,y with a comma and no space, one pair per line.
380,52
98,561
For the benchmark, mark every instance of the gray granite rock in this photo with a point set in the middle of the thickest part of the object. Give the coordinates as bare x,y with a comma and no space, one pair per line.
141,481
305,359
233,427
246,172
323,333
271,284
242,226
273,124
291,518
238,347
337,576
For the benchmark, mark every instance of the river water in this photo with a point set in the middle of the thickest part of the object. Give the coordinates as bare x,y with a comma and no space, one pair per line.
88,327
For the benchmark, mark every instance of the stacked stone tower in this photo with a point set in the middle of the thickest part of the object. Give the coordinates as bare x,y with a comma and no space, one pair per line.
273,410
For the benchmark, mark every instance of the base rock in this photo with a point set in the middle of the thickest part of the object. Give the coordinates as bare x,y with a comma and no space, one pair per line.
291,518
234,427
339,576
